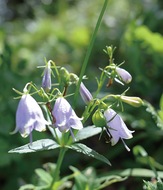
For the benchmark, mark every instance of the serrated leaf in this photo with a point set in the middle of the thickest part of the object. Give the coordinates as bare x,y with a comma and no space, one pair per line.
39,145
87,132
79,147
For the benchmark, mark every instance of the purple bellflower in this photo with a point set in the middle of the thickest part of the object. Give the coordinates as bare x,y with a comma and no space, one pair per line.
85,94
124,75
46,81
29,116
117,129
65,116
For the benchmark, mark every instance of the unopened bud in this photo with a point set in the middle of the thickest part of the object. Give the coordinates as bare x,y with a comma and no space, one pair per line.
65,76
133,101
73,78
46,81
124,75
98,119
85,94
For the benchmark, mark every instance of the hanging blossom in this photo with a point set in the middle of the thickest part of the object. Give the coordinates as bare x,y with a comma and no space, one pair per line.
29,117
65,116
85,94
124,75
46,80
116,128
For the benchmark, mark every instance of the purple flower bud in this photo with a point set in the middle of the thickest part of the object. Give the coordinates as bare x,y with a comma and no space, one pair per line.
117,129
29,116
65,116
85,94
124,75
46,81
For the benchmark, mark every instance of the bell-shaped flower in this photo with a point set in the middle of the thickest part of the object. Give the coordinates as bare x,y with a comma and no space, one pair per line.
46,81
65,116
29,117
116,128
124,75
85,94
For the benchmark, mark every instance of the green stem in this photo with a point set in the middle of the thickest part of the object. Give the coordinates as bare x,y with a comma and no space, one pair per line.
100,84
85,63
58,166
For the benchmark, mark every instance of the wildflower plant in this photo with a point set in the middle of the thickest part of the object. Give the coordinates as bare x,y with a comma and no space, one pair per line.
56,114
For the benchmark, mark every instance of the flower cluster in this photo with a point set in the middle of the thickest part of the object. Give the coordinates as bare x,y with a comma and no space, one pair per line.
29,115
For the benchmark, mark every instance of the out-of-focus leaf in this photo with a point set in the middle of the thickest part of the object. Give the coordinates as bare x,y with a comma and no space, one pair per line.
40,145
108,180
87,132
161,102
154,114
80,179
155,185
136,172
44,176
79,147
27,187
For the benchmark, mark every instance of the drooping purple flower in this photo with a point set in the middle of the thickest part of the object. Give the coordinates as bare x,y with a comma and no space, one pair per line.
29,117
124,75
65,116
46,81
85,94
116,128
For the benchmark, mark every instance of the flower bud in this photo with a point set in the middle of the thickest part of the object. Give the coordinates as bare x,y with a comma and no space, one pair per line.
98,119
133,101
124,75
46,81
73,78
65,76
85,94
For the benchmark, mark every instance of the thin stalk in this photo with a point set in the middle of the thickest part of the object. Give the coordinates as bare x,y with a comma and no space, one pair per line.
58,166
85,63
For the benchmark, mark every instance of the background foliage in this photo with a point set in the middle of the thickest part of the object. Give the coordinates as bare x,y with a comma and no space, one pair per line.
60,30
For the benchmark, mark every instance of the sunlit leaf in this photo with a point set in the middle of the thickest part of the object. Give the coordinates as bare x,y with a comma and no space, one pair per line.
40,145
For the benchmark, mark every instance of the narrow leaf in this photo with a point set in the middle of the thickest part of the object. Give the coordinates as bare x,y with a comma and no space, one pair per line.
40,145
89,152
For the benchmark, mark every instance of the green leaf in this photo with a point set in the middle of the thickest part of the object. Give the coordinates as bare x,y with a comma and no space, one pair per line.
81,180
84,179
79,147
87,132
44,176
154,114
136,172
108,180
27,187
40,145
161,102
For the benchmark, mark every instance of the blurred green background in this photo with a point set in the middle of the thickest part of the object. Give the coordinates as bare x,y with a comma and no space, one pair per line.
31,30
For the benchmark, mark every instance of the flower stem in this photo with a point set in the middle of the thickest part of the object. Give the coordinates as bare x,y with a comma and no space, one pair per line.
85,63
58,166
